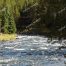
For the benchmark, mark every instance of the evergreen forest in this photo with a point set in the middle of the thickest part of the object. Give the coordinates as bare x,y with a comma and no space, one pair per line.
36,17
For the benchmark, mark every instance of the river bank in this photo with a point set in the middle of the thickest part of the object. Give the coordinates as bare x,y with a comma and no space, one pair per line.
7,37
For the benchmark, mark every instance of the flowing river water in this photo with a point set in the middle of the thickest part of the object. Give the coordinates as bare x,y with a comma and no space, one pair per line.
33,51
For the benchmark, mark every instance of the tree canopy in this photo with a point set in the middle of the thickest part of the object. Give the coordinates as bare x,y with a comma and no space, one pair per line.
40,15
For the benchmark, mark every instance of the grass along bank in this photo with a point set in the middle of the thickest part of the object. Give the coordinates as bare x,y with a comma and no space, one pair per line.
7,37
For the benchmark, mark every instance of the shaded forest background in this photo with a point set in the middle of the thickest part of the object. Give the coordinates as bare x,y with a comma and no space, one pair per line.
43,17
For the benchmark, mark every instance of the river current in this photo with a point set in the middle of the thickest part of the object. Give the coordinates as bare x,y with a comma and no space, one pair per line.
33,51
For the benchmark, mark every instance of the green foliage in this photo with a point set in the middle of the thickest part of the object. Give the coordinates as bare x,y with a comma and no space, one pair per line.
12,25
6,21
0,24
9,12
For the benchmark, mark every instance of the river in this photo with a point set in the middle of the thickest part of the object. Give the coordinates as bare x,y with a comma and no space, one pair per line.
33,51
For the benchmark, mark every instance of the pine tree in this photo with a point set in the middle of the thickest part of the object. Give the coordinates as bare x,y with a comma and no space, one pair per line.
9,22
10,9
0,25
6,21
12,25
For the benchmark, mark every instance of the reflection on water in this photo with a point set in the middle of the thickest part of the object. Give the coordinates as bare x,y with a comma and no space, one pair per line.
33,51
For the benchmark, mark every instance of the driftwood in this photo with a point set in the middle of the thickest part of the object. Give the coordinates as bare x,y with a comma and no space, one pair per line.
33,23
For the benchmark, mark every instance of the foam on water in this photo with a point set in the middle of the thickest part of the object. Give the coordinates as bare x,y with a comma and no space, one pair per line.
32,51
18,49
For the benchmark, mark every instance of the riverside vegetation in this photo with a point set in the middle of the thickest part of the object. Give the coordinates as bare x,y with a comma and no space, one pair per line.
7,37
9,13
43,17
